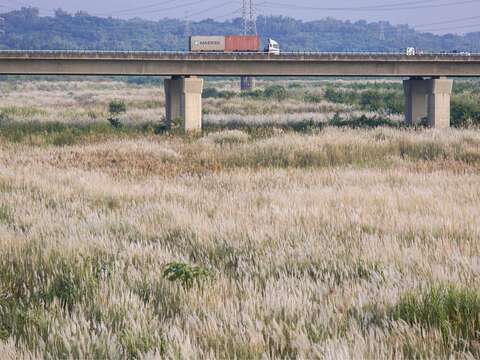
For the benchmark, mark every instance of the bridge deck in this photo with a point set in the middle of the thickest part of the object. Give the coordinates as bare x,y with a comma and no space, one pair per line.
235,56
232,64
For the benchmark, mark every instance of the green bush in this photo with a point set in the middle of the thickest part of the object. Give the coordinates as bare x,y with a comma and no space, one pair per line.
342,97
370,100
254,94
60,134
214,93
210,93
363,121
6,215
394,103
454,311
275,92
117,107
186,274
312,98
465,111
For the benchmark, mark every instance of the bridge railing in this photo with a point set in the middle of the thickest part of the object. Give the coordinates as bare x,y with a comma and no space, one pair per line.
191,53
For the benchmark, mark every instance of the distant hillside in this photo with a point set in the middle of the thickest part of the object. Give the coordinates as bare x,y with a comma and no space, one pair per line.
25,29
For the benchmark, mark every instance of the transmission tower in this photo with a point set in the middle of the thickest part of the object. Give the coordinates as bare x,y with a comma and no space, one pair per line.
188,25
382,31
244,17
2,26
249,28
249,17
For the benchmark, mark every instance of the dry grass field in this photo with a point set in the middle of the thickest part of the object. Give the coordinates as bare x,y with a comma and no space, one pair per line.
274,234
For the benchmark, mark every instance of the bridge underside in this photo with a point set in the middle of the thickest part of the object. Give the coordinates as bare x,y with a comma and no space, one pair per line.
427,102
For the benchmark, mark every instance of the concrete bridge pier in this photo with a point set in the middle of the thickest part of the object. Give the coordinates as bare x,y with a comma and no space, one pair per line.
428,99
247,83
183,102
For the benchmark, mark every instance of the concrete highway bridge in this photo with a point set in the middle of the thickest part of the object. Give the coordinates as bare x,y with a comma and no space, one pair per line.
427,87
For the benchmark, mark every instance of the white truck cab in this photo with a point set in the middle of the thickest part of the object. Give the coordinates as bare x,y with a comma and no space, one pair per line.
272,47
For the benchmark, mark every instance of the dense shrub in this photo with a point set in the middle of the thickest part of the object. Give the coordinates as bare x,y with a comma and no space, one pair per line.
312,98
60,134
254,94
370,100
117,107
275,92
214,93
363,121
343,97
186,274
465,111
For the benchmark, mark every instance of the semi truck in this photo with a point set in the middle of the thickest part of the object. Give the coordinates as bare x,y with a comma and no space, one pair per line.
231,43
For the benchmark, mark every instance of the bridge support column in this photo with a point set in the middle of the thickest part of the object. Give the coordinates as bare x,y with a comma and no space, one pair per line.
428,99
183,102
247,83
416,100
439,91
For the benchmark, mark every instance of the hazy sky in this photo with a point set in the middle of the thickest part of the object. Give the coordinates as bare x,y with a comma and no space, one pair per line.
438,16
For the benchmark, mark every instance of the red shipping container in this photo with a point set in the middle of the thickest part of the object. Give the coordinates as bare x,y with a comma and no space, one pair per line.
242,43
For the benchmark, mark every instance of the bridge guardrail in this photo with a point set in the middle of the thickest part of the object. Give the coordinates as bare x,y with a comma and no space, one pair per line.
152,52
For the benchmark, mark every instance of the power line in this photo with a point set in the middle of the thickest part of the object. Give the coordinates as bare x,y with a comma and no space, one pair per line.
449,21
134,9
453,28
30,6
156,11
367,8
209,9
153,8
237,11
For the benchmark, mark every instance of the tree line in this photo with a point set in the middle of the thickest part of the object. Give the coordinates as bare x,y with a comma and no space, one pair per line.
26,29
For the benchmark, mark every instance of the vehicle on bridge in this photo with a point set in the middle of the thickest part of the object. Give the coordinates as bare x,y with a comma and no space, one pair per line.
272,47
411,51
231,43
461,53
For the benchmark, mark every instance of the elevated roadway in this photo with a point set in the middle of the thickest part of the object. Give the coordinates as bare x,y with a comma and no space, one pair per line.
237,64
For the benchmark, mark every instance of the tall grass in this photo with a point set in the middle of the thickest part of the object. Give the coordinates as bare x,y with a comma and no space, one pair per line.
306,238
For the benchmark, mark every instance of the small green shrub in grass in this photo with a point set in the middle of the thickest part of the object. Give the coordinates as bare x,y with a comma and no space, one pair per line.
275,92
115,108
452,310
253,94
363,121
312,98
185,274
465,111
214,93
136,344
6,216
210,93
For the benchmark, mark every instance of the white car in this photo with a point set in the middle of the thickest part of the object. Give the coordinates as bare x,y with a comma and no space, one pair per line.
410,51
